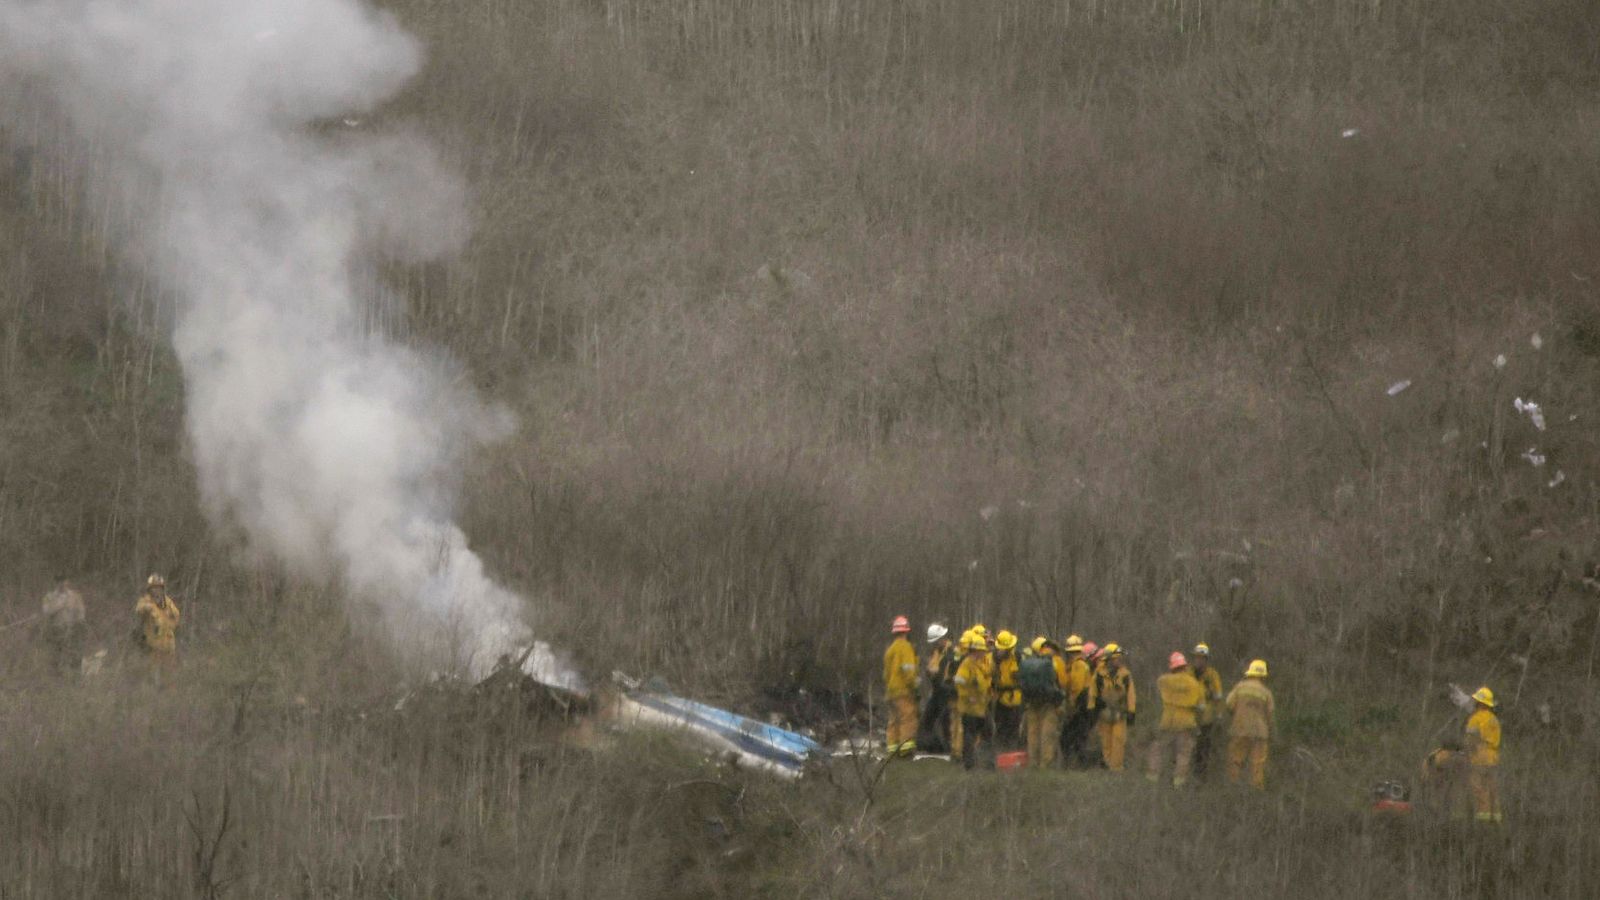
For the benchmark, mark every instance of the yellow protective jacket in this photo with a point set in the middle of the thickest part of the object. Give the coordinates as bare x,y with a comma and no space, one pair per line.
1060,666
1075,679
1250,704
1181,698
1483,738
973,682
940,667
1113,693
899,669
1007,693
1211,680
159,622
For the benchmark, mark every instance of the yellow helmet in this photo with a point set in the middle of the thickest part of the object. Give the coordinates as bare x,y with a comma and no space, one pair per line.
1111,649
1038,643
155,580
1074,644
979,629
1201,649
1257,669
1484,695
1005,640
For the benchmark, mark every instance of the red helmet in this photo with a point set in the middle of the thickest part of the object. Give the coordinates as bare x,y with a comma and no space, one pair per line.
1091,650
902,625
1176,661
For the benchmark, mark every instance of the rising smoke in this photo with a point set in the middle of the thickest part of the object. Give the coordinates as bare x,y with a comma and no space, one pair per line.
335,450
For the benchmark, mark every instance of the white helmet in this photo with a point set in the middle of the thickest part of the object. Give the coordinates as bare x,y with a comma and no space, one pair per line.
936,632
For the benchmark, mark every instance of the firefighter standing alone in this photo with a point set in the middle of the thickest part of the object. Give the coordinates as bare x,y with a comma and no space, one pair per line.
158,618
900,689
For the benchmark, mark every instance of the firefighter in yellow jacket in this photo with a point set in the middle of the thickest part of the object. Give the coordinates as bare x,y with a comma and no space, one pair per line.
977,634
158,617
1117,701
1251,709
900,689
974,680
1077,680
1182,699
1483,755
1043,676
1008,693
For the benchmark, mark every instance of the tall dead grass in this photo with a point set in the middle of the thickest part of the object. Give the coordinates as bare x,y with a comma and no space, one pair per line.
1060,314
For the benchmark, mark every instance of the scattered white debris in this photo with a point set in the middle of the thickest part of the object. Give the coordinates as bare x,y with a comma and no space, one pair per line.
1349,132
1560,477
1460,697
1534,457
972,566
1235,583
351,123
1025,504
1532,410
1500,361
989,512
95,665
1451,436
1536,342
1399,387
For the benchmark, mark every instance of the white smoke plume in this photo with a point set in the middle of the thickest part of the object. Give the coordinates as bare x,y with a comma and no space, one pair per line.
335,450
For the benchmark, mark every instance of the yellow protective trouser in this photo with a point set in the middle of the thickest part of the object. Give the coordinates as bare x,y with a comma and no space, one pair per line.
1253,750
955,735
163,666
1043,723
901,735
1485,781
1113,743
1181,745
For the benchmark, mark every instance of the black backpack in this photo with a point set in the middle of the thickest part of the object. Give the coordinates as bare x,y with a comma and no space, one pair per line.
1036,675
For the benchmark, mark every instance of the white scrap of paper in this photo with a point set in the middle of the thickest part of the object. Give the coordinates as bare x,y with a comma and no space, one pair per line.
1532,410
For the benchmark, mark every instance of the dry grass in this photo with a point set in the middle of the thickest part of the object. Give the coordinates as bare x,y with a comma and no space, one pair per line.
220,788
784,294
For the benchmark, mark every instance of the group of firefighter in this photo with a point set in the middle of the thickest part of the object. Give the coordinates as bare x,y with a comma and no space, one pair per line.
983,695
155,631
